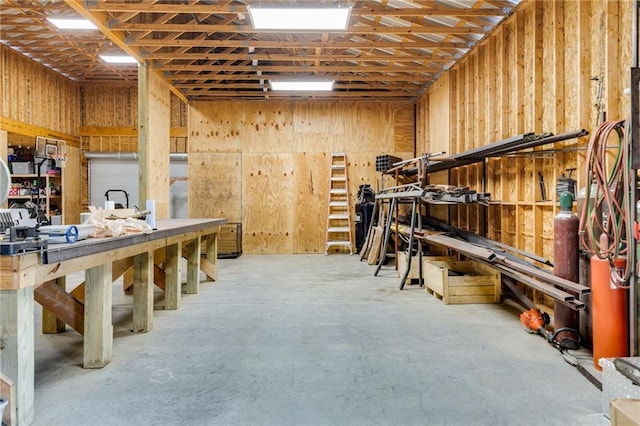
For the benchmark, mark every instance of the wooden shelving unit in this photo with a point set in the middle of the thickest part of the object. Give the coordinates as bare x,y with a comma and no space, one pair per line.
52,202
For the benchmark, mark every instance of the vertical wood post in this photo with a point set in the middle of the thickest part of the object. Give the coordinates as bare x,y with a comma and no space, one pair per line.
98,330
212,256
173,277
17,348
193,266
143,292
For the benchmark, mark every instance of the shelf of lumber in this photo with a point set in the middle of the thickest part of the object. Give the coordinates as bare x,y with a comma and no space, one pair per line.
40,276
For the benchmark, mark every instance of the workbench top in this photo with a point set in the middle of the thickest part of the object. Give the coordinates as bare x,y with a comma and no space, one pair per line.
165,228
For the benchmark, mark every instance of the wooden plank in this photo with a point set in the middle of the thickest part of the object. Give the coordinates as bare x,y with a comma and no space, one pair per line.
17,345
61,306
143,292
208,268
51,324
98,330
193,266
173,276
8,395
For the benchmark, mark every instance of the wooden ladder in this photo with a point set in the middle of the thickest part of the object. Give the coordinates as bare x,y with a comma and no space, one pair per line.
339,231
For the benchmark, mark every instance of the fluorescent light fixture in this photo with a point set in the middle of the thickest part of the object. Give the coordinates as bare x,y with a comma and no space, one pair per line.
301,18
299,85
72,24
118,59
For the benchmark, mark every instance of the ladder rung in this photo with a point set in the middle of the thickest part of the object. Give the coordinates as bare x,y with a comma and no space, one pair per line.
339,229
337,166
338,216
338,204
338,179
338,191
339,243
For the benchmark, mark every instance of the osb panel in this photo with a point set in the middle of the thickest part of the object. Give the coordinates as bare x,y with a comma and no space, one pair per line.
37,96
268,194
310,205
370,127
319,126
404,129
268,127
423,140
178,112
215,185
109,106
215,127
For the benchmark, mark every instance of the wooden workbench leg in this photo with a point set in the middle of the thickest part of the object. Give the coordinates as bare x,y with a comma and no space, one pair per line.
50,323
173,277
143,292
211,257
98,330
193,266
17,346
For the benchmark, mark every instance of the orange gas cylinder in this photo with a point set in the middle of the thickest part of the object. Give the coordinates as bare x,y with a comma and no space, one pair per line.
609,312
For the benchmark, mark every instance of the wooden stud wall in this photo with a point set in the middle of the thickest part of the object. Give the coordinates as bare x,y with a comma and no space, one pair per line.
266,164
531,74
36,96
36,101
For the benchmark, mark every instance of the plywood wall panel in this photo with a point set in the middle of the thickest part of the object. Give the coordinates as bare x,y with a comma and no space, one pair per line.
370,128
72,187
310,204
215,185
215,127
404,127
268,185
268,127
319,126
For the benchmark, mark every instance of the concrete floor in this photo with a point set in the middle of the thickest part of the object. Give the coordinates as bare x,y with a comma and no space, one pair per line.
314,340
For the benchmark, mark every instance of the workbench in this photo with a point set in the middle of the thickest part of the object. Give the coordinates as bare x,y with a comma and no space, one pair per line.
88,310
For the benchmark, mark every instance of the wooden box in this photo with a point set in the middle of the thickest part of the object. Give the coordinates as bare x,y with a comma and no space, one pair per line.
414,272
462,282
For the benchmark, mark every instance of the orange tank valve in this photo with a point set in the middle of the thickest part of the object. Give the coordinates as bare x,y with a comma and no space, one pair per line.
533,319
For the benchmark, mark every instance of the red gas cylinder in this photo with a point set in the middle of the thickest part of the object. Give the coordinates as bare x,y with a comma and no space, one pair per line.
609,311
565,258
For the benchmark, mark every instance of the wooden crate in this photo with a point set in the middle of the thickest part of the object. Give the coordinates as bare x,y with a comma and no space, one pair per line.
462,282
230,240
414,272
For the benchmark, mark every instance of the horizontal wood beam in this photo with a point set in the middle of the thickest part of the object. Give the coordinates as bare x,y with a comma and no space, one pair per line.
248,29
299,44
337,77
232,9
303,68
174,132
300,57
20,128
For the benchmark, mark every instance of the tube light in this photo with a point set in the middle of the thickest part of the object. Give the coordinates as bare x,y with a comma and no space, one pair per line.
298,85
118,59
281,18
72,24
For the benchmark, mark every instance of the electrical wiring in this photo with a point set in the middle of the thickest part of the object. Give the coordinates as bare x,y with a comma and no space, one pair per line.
605,226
